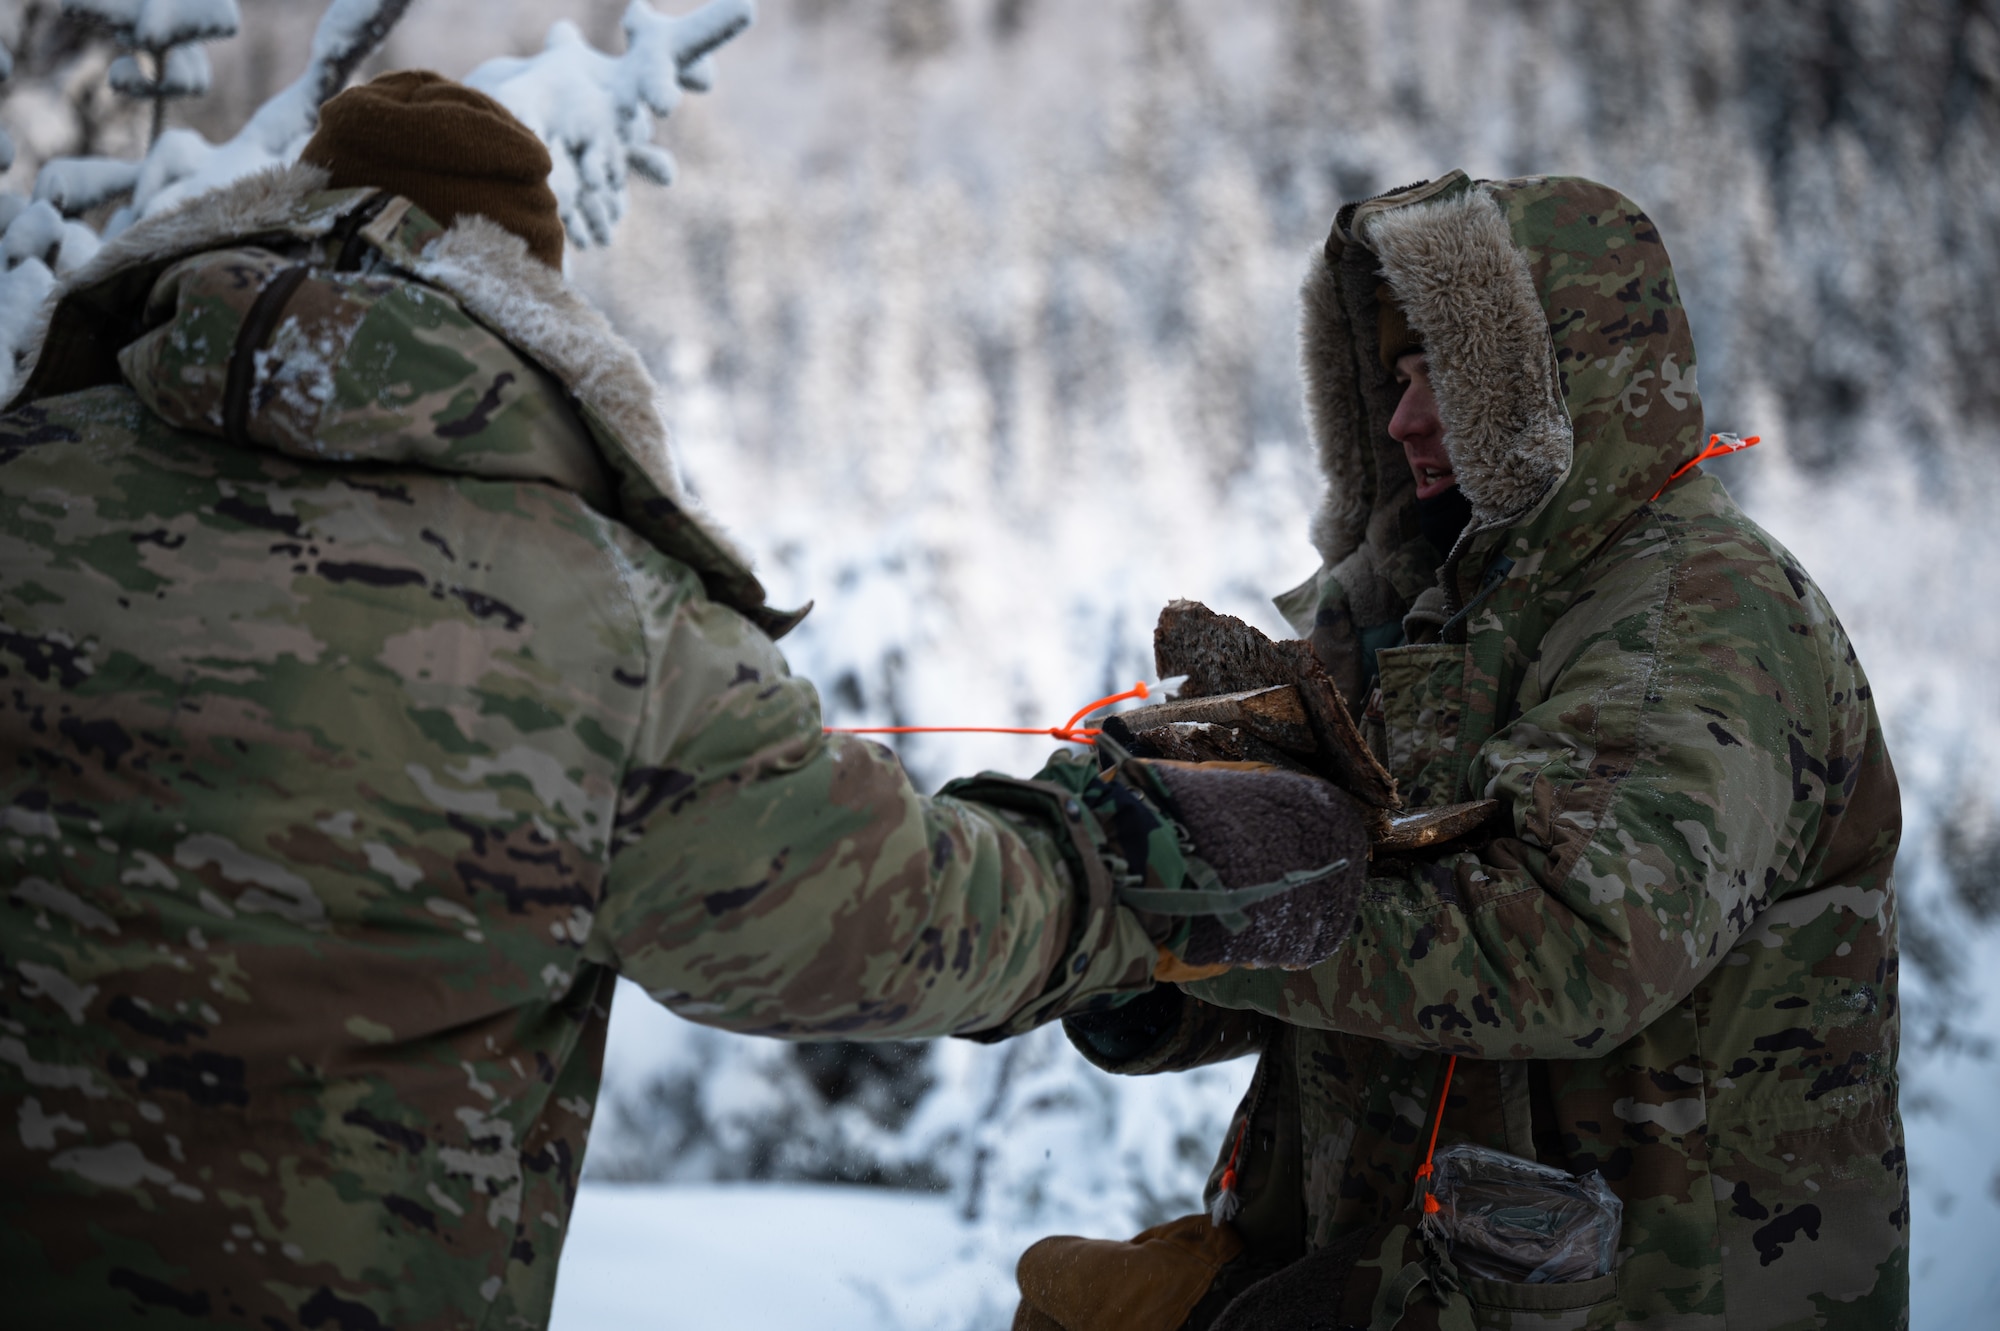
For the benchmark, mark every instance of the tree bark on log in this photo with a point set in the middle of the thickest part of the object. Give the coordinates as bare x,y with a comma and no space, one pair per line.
1249,699
1221,654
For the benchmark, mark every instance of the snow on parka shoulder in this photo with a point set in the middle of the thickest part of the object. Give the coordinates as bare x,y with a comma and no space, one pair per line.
1675,963
370,697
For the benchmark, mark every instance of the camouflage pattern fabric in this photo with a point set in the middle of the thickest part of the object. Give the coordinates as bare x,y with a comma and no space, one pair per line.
363,713
1677,964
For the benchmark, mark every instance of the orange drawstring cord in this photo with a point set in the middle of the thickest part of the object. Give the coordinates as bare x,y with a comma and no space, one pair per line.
1227,1204
1069,733
1235,1154
1431,1206
1719,446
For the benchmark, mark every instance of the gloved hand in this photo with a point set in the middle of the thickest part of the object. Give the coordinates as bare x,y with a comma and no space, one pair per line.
1227,864
1289,852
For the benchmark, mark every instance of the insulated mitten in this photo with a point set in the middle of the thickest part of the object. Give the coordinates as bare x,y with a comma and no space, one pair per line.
1288,851
1225,864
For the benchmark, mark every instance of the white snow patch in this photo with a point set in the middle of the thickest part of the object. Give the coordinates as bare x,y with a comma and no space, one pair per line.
851,1259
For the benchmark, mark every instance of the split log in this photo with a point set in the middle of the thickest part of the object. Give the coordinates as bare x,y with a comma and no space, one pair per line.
1395,832
1198,742
1222,655
1274,715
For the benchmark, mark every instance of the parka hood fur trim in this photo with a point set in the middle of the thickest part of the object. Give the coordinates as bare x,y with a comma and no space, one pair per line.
1466,287
485,267
1326,362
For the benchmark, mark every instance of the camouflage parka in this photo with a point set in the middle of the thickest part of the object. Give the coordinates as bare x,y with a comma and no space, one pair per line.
370,697
1674,960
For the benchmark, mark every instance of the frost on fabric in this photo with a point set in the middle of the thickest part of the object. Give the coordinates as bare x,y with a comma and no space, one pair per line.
596,111
297,370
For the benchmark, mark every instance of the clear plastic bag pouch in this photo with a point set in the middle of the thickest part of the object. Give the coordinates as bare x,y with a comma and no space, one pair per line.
1512,1219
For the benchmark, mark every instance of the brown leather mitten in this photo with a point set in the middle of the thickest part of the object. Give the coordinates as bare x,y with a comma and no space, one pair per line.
1148,1284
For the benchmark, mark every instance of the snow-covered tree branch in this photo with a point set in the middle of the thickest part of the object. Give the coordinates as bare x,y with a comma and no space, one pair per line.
165,32
596,111
184,164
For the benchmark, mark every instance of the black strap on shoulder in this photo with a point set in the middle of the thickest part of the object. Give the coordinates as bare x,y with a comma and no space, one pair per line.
354,246
258,325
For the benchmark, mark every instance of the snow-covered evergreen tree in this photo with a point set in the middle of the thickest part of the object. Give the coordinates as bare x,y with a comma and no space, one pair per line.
596,111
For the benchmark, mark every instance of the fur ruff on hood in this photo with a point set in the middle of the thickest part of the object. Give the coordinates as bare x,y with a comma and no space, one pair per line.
485,267
1466,287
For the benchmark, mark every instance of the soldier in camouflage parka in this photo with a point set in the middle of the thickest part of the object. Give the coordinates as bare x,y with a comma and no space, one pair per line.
1675,960
370,697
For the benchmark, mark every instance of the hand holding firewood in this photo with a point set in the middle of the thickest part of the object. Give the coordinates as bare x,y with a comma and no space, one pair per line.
1249,699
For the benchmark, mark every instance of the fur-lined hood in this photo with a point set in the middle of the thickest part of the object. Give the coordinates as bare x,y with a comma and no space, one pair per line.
93,314
1561,357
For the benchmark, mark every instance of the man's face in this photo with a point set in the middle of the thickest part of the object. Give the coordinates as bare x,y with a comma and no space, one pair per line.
1417,428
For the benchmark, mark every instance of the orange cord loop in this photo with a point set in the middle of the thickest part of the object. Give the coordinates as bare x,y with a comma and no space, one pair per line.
1719,446
1069,733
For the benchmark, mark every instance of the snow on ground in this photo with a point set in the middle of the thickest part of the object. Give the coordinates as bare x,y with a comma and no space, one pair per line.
738,1257
1035,1142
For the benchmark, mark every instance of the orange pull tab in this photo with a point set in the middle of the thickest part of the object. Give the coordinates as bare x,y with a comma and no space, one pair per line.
1719,446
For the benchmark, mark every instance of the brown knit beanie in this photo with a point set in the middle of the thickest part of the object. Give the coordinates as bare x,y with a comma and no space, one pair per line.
444,147
1394,336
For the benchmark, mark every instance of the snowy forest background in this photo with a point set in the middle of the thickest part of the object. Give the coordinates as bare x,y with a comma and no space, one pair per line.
975,320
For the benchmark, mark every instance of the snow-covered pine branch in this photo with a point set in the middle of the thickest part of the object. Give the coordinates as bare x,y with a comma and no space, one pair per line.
165,32
183,163
596,111
348,34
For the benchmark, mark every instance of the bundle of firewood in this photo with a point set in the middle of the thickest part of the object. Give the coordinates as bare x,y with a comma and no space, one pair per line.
1249,699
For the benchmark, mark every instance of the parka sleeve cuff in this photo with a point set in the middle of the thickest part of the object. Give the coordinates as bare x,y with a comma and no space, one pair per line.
1108,951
